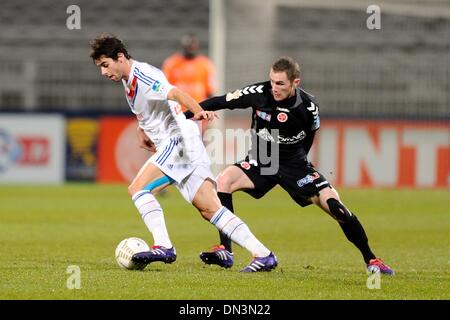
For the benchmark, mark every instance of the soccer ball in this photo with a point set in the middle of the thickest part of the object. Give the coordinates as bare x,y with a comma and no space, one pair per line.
126,249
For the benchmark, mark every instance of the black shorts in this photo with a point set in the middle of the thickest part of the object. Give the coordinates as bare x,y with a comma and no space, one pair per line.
299,178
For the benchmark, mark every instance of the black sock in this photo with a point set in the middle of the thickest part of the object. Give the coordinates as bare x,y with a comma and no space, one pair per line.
355,233
227,201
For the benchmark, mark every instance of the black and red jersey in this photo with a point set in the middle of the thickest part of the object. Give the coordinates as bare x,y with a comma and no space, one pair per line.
290,123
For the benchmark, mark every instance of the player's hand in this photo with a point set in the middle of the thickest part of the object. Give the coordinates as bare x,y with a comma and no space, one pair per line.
205,115
148,145
144,141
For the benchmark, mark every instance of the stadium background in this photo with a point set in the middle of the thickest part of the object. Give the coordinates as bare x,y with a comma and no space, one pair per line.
384,99
398,73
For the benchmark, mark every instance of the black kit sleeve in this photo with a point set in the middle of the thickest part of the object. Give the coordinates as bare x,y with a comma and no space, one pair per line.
238,99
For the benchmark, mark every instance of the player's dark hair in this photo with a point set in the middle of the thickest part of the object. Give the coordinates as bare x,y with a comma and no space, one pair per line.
107,45
288,65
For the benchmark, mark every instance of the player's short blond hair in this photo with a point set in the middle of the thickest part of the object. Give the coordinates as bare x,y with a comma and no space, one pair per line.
288,65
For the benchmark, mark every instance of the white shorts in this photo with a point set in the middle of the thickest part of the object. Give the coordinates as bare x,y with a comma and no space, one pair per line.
185,162
190,185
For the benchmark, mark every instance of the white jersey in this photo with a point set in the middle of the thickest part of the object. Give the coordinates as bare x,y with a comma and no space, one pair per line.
146,92
180,154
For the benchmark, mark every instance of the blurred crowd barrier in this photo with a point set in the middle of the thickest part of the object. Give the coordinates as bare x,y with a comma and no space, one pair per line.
50,148
384,94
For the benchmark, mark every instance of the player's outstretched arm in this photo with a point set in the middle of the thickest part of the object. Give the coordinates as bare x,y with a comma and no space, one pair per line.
192,105
232,100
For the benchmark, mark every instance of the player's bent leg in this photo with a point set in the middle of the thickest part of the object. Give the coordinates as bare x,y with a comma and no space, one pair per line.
149,180
352,228
231,179
206,201
219,255
226,199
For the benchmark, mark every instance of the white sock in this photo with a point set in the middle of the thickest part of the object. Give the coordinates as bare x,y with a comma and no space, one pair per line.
153,216
238,231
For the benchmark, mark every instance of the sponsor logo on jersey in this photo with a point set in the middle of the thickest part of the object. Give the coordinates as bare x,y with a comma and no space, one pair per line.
157,86
233,95
264,115
265,135
316,124
282,109
315,112
308,179
245,165
247,90
282,117
321,184
292,140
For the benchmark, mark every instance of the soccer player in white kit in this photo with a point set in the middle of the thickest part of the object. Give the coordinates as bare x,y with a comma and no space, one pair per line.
180,156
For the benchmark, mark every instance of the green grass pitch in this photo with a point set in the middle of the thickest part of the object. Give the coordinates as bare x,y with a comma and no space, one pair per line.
43,230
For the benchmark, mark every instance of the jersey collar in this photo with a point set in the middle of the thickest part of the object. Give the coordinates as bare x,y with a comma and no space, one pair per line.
130,76
291,102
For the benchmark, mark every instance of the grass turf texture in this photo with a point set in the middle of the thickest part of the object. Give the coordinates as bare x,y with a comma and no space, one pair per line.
43,230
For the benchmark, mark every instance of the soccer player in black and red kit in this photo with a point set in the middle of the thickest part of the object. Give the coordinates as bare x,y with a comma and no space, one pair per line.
285,119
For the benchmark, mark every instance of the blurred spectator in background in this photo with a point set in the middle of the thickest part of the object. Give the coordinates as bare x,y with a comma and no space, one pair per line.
190,71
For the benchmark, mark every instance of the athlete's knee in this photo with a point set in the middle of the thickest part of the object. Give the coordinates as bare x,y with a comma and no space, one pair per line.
136,186
207,209
339,211
207,214
133,189
224,183
152,187
206,200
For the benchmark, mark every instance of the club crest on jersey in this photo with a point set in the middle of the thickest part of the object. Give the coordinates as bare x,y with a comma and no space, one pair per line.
132,91
245,165
282,117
